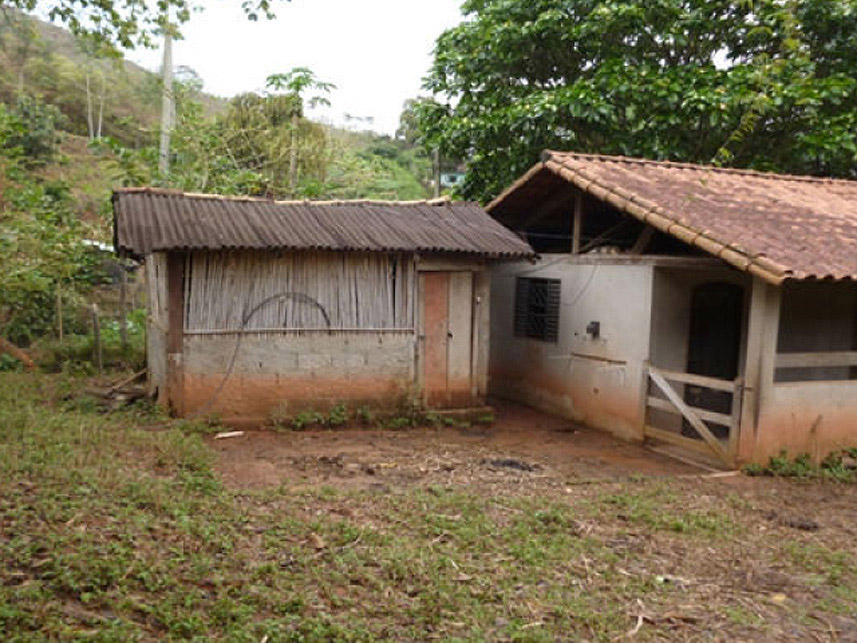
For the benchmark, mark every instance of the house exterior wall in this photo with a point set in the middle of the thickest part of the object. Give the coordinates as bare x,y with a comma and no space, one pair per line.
596,381
815,416
210,364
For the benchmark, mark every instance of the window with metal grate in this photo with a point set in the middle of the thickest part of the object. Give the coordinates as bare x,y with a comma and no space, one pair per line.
537,308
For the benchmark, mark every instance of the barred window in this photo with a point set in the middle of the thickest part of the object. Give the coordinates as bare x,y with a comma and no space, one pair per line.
537,308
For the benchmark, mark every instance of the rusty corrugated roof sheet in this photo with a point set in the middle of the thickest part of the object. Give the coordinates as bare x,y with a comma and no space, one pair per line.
148,220
776,226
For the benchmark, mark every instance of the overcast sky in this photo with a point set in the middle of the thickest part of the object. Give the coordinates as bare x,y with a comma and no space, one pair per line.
375,51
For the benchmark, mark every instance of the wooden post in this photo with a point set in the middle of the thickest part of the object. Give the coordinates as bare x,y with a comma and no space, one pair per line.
577,225
97,350
123,317
762,332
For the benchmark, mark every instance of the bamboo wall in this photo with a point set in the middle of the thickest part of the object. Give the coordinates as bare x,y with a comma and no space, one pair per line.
356,291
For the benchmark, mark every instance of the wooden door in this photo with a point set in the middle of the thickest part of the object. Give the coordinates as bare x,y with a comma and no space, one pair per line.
448,338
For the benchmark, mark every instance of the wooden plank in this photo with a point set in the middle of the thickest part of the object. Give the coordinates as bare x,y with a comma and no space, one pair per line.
697,380
819,359
688,414
675,438
482,322
643,241
704,414
175,333
459,379
589,245
420,348
577,226
436,314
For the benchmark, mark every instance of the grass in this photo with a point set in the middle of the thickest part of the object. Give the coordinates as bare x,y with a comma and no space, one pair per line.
112,532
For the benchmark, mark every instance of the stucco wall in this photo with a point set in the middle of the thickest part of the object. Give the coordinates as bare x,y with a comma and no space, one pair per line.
806,417
597,381
285,373
814,417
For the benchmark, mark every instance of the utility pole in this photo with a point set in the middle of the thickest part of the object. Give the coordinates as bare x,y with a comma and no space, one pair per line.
436,163
166,102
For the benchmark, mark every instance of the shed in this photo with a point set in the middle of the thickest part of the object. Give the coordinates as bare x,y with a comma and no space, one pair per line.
259,309
710,309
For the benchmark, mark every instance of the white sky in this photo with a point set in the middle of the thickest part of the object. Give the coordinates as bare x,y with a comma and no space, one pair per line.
376,52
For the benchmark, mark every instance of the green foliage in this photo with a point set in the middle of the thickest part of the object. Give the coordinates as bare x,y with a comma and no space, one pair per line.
29,130
306,419
767,84
40,244
127,23
840,466
75,352
337,416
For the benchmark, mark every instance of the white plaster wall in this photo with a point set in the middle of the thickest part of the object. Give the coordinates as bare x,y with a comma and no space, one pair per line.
595,381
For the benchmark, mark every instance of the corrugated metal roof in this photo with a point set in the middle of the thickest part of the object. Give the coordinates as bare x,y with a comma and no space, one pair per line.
148,220
777,226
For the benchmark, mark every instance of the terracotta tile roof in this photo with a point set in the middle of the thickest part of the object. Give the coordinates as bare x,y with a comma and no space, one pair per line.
776,226
148,220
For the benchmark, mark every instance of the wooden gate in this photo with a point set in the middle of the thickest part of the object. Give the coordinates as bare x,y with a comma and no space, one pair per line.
673,402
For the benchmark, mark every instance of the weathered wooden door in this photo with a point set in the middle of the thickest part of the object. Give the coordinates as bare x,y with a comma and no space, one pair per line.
448,338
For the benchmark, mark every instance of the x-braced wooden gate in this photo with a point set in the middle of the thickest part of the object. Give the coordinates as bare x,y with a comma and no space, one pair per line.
674,403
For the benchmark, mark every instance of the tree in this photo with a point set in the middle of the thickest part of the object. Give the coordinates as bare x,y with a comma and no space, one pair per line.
769,84
296,82
128,23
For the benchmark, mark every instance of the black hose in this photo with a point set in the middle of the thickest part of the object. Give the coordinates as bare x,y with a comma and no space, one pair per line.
297,297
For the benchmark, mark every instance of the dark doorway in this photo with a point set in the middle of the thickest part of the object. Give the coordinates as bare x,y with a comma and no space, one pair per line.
716,315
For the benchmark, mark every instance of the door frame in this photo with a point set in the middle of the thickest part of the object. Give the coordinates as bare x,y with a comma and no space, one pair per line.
480,319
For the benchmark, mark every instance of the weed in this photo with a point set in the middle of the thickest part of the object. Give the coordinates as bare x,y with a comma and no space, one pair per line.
337,416
399,422
306,419
838,466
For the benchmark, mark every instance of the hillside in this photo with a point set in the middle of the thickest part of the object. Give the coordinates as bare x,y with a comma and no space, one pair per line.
76,122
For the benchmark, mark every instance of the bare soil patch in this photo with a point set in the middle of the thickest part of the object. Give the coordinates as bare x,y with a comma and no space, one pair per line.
523,448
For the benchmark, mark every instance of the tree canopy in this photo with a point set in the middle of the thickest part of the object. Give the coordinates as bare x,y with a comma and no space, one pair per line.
124,22
768,84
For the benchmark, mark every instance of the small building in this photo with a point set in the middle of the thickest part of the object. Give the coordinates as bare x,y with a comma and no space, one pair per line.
707,308
259,308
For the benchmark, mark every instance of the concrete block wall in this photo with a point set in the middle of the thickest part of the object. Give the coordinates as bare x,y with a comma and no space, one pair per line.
285,373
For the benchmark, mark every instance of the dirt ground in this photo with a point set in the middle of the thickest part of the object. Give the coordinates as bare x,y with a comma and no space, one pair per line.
523,447
732,557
